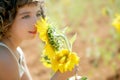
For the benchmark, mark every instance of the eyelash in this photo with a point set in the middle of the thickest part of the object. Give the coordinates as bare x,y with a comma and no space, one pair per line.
27,16
38,15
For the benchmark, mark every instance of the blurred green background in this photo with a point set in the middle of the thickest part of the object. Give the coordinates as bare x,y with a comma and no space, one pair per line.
97,42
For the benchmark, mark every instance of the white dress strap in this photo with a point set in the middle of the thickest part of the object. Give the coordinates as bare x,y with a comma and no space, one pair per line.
21,68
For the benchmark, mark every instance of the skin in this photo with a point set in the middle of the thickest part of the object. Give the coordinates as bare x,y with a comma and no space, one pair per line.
23,28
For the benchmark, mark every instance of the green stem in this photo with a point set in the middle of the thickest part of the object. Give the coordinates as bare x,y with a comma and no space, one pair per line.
66,41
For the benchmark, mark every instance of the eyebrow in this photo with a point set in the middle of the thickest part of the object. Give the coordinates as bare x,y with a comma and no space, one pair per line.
22,13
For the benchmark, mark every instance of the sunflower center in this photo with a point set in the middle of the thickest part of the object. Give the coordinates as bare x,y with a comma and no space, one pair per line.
63,59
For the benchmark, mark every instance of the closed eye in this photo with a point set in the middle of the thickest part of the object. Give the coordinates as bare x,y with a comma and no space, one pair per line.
38,13
25,16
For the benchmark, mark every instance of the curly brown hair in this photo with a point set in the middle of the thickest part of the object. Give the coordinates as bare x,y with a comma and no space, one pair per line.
8,11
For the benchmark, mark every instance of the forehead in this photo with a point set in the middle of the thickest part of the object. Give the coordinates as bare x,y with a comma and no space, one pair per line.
29,8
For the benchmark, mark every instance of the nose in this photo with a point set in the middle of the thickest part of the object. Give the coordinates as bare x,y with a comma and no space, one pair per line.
35,19
33,22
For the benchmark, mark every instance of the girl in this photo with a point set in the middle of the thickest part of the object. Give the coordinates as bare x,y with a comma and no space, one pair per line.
17,23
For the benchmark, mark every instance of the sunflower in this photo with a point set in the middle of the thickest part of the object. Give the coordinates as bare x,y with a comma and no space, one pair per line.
105,12
49,51
64,60
116,23
57,58
42,27
46,61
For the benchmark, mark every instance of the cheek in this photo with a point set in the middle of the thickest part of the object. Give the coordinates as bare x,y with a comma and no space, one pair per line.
26,23
18,28
22,25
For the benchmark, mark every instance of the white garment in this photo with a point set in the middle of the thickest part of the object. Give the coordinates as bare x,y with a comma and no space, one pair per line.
21,58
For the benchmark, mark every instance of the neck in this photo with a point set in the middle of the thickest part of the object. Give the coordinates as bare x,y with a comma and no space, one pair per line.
12,43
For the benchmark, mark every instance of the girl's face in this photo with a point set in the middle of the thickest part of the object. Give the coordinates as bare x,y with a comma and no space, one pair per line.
23,26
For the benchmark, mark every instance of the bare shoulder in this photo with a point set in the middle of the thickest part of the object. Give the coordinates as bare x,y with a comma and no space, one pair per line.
8,65
5,55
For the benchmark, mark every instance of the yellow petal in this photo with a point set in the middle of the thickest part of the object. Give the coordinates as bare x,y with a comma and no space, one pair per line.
49,51
64,60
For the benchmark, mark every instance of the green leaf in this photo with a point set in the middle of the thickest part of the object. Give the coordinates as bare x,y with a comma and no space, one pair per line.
83,78
72,40
65,30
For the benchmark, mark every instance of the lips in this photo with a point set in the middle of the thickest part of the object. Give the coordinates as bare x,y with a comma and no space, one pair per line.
33,32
